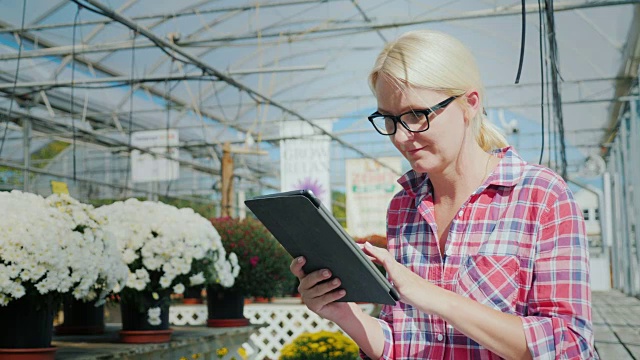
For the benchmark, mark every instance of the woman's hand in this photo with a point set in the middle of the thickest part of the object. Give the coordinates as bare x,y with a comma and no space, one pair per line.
408,284
319,294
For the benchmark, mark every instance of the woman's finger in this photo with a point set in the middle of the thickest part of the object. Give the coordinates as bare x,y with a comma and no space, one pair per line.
296,267
313,279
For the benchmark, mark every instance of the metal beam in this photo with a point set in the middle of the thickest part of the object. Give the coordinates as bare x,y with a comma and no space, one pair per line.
101,139
93,181
293,36
209,69
163,16
104,69
125,80
627,72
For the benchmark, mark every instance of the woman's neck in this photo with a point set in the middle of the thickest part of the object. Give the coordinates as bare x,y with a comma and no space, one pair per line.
463,176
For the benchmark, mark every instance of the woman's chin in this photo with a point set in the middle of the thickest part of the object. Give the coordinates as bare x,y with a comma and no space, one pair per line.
420,167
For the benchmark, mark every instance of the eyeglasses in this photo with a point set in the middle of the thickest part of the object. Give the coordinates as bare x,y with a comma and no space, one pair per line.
415,121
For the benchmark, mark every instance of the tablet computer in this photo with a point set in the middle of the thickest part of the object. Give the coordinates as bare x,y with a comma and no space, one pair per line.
306,228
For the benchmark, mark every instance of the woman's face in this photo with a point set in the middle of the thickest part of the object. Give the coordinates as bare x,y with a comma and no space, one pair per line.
433,150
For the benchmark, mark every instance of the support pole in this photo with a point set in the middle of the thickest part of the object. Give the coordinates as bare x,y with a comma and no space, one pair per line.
227,180
634,180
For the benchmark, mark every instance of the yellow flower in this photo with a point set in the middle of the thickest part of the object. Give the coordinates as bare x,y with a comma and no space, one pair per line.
321,345
183,358
243,353
222,352
196,356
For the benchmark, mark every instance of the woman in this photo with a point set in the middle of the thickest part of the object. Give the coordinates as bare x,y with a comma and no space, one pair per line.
488,253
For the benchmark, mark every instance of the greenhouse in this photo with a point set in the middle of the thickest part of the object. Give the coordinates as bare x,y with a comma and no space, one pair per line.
133,131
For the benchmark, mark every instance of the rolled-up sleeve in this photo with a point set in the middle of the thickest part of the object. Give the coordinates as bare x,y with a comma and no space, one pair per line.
386,323
558,325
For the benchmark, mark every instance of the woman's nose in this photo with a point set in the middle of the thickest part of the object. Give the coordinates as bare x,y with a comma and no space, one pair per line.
402,134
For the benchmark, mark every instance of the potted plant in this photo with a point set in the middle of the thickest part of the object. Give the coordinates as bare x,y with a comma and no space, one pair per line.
322,345
83,307
166,250
264,270
42,259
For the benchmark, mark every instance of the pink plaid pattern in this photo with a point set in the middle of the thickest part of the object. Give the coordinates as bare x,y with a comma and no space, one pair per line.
518,245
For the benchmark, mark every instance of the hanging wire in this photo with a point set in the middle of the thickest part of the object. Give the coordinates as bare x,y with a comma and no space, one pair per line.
541,39
15,79
555,76
158,45
167,91
130,126
551,132
522,39
71,105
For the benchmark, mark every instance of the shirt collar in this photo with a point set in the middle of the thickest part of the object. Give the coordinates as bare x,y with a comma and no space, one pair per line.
507,173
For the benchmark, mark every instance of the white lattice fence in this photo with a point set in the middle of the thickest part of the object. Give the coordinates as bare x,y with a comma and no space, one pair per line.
283,323
188,314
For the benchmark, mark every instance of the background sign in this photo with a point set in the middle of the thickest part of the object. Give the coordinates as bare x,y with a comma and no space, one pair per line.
369,190
304,163
147,167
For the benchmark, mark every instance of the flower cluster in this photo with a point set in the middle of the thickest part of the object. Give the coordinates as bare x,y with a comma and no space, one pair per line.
98,252
42,255
264,263
323,345
166,248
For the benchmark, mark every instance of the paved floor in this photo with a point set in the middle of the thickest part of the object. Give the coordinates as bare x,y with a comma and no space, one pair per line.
616,322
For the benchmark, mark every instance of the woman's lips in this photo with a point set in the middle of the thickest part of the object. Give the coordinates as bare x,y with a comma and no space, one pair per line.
413,151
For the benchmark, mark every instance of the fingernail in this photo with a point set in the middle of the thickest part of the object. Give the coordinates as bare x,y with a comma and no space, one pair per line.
335,282
367,244
326,273
300,259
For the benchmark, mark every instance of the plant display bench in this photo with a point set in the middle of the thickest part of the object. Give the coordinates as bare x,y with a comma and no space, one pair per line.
283,320
185,342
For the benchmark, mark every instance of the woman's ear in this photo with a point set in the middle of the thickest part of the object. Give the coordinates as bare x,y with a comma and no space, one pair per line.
473,104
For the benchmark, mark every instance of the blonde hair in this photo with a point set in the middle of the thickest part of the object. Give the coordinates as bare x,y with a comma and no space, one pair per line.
437,61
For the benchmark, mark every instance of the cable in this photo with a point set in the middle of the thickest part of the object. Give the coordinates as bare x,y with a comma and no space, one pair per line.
557,98
541,81
15,80
116,84
130,126
522,39
158,45
168,106
73,73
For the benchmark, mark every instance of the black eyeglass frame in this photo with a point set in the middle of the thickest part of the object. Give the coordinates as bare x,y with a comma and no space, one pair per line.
396,118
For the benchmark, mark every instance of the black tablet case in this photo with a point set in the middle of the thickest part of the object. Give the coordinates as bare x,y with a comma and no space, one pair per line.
304,227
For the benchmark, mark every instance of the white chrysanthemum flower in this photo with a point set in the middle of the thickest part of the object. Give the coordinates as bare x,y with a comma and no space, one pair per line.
164,239
196,279
153,316
53,245
178,288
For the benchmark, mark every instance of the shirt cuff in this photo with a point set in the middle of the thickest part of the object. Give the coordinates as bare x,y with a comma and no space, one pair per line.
550,338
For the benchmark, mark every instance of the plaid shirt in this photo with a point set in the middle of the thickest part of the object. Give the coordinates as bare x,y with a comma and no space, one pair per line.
517,245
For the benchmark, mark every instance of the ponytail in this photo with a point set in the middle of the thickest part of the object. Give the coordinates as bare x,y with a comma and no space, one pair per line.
488,136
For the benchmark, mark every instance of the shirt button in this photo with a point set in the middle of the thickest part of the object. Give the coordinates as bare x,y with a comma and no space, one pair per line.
460,213
440,337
